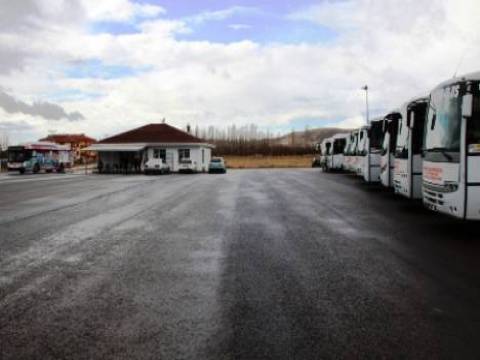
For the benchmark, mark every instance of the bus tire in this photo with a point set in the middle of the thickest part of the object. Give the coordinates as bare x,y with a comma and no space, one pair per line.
36,168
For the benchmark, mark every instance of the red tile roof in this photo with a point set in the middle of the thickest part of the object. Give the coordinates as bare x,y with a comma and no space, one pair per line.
68,138
152,133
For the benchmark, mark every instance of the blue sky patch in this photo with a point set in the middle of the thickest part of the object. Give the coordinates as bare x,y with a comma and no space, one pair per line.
97,69
114,27
231,21
258,26
72,95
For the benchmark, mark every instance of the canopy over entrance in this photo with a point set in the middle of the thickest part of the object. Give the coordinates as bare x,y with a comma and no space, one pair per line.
115,147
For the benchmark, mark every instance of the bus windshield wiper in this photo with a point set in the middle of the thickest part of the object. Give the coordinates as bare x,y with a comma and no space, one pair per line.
444,151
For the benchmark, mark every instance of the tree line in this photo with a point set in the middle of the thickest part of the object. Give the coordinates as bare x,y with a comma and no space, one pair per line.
250,140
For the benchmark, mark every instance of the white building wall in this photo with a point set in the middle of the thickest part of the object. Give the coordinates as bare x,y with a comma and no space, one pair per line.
172,154
200,160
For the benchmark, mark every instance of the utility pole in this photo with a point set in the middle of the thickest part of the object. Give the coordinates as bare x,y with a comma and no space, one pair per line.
366,103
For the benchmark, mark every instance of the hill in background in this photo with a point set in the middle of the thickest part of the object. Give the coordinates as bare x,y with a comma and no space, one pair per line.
308,137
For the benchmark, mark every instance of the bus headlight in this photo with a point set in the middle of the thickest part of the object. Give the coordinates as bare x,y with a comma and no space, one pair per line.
451,186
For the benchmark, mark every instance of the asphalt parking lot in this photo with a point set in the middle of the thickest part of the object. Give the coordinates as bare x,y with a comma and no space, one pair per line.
254,264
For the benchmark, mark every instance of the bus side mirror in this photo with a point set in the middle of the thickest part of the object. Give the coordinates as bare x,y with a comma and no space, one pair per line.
434,120
411,120
467,105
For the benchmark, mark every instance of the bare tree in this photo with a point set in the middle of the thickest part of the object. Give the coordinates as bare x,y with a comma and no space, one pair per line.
307,136
4,141
249,140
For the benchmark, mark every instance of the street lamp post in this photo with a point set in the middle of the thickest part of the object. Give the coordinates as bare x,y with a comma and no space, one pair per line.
366,102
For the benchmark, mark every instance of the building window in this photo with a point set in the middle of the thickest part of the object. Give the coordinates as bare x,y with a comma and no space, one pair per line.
183,154
160,154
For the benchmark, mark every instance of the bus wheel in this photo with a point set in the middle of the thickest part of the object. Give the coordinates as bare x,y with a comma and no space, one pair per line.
36,168
61,168
22,171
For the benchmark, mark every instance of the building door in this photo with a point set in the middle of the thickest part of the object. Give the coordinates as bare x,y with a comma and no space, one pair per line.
169,159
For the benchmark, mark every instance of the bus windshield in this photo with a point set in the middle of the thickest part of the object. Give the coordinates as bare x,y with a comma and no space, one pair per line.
385,143
328,147
444,120
19,155
362,142
390,142
354,146
349,147
420,111
403,137
339,146
376,135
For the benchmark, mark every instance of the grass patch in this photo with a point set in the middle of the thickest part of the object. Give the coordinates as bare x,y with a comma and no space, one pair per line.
260,161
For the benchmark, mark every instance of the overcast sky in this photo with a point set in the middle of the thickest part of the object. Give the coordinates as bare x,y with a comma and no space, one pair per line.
104,66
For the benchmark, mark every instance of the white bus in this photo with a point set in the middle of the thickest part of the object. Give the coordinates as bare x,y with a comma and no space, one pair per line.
407,176
451,164
339,142
332,152
361,149
348,153
370,150
325,152
353,163
387,161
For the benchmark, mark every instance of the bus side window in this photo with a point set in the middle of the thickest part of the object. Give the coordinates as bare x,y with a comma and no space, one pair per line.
473,124
418,128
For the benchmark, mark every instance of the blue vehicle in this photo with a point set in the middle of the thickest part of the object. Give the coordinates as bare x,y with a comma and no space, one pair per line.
217,165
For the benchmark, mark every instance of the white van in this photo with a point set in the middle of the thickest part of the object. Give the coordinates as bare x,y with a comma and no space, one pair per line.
155,166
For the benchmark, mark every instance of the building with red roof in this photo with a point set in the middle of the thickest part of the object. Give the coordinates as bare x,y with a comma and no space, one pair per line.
77,142
130,150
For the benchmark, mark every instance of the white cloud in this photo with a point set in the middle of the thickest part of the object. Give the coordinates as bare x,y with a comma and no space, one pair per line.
219,15
239,26
120,10
349,123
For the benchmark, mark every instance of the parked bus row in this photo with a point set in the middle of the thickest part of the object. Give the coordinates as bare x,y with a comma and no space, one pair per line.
427,149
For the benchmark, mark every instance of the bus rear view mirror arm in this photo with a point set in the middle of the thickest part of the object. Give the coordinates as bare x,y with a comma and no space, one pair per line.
411,120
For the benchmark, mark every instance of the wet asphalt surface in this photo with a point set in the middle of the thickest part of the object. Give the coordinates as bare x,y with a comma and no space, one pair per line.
255,264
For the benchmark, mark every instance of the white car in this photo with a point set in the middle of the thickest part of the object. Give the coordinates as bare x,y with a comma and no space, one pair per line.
155,166
187,166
